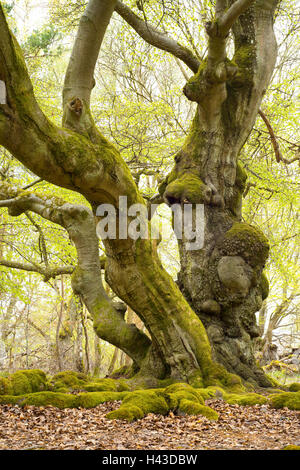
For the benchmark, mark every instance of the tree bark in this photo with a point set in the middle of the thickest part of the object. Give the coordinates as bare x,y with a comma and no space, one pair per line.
223,281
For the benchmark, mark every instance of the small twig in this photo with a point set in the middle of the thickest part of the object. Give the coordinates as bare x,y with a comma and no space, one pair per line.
32,184
278,154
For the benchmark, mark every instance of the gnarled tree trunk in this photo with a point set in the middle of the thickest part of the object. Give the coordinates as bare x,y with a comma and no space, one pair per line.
222,282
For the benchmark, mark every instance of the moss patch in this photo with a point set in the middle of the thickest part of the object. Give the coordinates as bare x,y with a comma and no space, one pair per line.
59,400
241,176
93,399
246,241
181,391
294,387
191,408
68,380
137,404
247,399
264,285
63,400
5,386
291,447
26,381
187,187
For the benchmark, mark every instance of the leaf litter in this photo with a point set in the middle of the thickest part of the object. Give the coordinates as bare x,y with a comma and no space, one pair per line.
258,427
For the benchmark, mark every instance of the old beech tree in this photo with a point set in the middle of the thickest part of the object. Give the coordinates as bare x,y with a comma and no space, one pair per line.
202,327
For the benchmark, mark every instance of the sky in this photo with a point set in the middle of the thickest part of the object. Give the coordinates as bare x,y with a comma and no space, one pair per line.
32,17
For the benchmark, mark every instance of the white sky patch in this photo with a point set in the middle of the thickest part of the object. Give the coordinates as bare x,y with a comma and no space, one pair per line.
30,15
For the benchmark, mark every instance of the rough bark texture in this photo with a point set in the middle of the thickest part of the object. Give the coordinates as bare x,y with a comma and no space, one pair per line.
223,282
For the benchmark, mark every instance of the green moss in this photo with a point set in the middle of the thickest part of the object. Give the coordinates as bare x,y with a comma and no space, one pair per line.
246,241
63,400
69,379
241,176
59,400
101,385
28,381
149,401
191,408
124,371
211,392
170,177
294,387
62,389
244,58
5,386
11,399
218,376
264,285
196,380
187,395
181,391
273,382
194,86
248,399
289,400
291,447
187,187
122,386
92,399
142,401
183,387
130,413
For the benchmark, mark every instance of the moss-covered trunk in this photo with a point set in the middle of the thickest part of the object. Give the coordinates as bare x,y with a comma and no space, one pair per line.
223,281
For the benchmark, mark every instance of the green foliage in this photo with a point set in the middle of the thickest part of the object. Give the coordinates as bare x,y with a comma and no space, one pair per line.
294,387
8,7
42,39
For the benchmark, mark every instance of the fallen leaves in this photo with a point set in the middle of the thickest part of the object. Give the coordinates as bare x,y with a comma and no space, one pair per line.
238,427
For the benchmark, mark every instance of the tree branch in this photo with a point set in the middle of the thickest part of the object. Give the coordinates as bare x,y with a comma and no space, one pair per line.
157,38
30,185
274,141
79,222
227,19
79,80
48,273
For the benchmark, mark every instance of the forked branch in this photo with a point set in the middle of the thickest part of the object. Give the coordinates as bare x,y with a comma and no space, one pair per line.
157,38
228,18
78,220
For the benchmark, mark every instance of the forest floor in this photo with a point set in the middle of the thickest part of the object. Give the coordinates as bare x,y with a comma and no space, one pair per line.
256,427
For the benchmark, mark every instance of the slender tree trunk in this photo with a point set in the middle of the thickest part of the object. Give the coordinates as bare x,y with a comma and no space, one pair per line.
113,361
97,356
